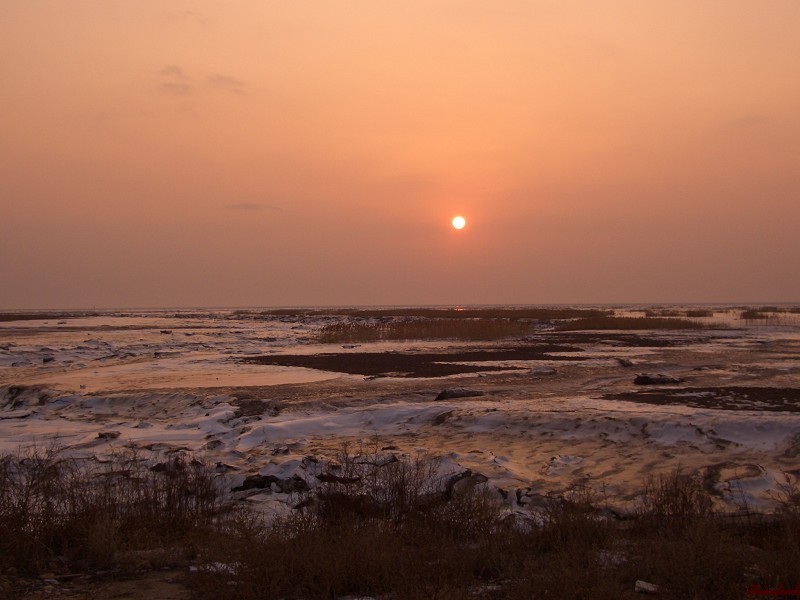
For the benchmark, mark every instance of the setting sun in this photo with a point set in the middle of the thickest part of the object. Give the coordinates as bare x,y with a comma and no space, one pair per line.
459,222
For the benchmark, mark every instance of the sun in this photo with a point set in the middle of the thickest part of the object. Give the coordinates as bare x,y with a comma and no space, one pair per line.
459,222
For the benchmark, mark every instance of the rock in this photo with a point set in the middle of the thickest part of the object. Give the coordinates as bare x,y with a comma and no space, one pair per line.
625,362
449,394
461,482
528,498
304,503
439,419
331,478
642,587
523,496
656,379
17,414
108,435
295,483
380,460
173,465
467,484
543,371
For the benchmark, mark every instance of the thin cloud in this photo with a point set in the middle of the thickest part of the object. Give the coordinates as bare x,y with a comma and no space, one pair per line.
173,72
226,82
174,81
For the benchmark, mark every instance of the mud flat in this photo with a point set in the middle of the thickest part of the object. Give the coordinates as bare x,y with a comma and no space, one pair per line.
258,394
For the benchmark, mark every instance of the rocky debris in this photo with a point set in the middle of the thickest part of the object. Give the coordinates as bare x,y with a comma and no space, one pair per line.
108,435
656,379
625,362
449,394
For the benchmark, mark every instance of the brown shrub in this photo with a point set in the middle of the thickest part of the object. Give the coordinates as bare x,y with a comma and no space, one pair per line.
53,504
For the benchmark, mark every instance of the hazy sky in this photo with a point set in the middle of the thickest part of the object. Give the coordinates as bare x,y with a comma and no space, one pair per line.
263,153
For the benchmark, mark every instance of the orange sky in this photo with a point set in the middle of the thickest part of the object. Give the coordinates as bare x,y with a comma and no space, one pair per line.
263,153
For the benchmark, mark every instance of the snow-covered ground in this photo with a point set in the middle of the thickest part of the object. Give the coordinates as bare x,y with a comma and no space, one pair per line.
168,381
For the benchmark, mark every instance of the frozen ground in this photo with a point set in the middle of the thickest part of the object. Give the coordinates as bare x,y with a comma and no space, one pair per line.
172,381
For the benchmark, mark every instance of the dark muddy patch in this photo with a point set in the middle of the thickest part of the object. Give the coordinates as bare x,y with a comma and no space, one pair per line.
419,364
772,399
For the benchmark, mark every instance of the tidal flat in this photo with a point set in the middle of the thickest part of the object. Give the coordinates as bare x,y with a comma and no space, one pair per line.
270,398
552,408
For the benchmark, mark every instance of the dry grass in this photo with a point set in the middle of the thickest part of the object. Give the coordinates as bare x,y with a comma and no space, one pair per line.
395,529
88,514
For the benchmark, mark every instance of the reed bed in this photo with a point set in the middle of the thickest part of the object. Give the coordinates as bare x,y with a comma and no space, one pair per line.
629,323
424,329
693,313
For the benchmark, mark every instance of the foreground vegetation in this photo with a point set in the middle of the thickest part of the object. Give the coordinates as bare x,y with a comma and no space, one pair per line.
88,514
382,527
